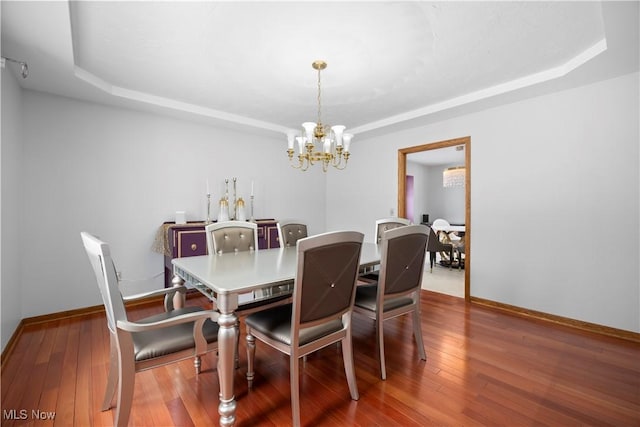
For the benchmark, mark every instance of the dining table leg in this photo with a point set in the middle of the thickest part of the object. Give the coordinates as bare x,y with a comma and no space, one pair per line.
226,357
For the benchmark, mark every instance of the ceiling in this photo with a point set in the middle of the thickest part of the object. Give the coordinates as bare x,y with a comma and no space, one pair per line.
438,157
248,64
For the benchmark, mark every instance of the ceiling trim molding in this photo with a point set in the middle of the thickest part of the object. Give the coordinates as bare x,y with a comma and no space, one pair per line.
510,86
173,104
502,88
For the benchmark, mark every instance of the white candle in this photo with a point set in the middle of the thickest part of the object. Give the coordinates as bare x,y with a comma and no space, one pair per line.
208,192
252,188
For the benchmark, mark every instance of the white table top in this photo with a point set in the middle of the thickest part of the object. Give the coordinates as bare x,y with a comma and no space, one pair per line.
240,272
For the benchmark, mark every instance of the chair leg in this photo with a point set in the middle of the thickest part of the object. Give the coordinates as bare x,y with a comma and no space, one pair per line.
380,341
417,333
432,258
294,371
251,354
112,380
197,363
237,354
349,366
126,383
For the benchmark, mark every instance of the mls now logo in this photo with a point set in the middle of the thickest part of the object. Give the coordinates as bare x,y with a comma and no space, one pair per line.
23,414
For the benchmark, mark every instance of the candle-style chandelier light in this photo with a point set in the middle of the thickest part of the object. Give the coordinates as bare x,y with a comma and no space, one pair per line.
319,142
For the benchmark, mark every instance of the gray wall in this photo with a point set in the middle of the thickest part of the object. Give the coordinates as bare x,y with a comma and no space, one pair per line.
430,197
120,174
11,221
554,182
546,174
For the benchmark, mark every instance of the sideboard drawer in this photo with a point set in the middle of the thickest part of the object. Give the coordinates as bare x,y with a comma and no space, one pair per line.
190,243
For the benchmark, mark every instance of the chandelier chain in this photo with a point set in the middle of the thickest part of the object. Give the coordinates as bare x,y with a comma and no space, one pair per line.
319,101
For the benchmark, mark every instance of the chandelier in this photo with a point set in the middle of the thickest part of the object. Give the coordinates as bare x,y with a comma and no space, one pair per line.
453,177
319,143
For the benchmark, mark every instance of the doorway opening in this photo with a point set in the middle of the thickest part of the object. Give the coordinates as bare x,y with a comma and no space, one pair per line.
402,192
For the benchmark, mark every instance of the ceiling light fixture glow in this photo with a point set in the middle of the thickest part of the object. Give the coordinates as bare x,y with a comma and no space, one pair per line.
453,177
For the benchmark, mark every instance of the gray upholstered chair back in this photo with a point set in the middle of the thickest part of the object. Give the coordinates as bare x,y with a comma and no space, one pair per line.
385,224
105,272
326,277
290,232
231,236
403,255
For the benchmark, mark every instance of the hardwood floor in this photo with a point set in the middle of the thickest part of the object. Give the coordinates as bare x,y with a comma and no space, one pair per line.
483,367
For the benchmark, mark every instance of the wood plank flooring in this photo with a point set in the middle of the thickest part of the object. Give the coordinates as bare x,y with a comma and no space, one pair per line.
483,367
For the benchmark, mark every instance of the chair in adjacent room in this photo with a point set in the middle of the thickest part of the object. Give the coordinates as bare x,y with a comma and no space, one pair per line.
397,291
147,343
231,236
440,224
290,231
435,245
450,240
320,315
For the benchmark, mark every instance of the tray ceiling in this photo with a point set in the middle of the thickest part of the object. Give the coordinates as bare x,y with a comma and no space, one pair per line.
249,63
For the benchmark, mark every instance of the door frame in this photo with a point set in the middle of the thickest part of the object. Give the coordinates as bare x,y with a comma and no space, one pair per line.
402,173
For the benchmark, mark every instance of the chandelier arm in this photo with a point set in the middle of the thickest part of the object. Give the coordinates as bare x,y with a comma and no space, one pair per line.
304,163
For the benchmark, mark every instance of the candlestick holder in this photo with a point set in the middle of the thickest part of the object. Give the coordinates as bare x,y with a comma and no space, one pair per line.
208,221
252,219
235,200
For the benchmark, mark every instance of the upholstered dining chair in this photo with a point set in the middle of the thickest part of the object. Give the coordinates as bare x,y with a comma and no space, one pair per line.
385,224
239,236
397,291
320,315
382,225
147,343
290,231
231,236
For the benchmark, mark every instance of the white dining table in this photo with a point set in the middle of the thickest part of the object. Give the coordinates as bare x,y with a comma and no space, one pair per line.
233,279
